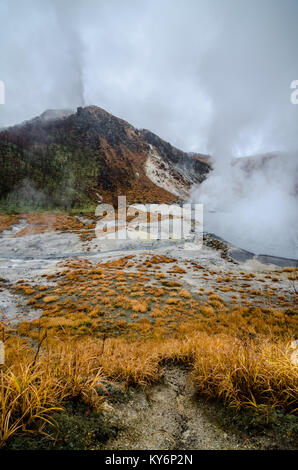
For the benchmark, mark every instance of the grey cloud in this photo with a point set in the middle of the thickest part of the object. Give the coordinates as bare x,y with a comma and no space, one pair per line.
210,76
207,75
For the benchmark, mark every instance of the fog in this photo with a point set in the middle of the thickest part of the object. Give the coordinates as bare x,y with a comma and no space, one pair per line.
209,76
256,209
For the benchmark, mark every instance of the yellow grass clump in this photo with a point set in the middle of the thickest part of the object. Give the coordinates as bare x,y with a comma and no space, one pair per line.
246,373
50,298
139,306
35,384
243,373
184,293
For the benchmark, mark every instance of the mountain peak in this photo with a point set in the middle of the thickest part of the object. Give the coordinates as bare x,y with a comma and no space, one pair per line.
72,156
50,114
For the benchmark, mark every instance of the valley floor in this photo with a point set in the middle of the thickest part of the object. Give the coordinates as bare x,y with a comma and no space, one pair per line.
171,326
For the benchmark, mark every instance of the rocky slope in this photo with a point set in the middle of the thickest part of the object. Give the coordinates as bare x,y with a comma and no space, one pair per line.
66,159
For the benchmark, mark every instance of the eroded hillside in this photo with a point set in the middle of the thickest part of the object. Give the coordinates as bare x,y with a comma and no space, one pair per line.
66,160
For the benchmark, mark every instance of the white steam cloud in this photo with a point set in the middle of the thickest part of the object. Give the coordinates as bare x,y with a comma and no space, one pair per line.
207,75
254,208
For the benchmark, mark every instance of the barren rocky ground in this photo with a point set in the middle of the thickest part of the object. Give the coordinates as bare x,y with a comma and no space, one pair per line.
169,414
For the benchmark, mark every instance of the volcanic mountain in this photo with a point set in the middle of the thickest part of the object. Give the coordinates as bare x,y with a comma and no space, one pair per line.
68,159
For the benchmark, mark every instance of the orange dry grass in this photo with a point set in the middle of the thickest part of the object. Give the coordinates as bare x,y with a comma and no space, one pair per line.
244,373
34,386
6,221
177,270
41,223
238,353
139,306
50,298
289,270
184,293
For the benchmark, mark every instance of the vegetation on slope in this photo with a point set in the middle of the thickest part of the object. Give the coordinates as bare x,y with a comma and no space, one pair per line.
63,163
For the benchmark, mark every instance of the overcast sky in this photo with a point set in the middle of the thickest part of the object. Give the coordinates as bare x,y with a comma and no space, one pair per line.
211,76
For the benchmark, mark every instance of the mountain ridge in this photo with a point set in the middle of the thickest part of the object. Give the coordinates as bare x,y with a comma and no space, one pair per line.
65,159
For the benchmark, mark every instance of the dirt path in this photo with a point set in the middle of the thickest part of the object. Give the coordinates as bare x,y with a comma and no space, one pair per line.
170,416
